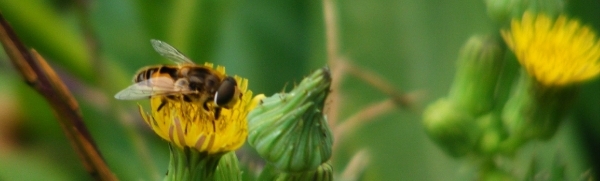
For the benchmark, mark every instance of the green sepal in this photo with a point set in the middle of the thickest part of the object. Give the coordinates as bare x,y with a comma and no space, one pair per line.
534,111
228,168
188,164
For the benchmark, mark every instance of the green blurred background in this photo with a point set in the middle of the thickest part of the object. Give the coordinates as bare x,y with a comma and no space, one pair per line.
411,43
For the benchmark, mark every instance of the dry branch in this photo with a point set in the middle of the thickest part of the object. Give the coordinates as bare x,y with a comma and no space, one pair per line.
41,77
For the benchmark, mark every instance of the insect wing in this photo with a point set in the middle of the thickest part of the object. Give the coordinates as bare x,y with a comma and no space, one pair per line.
147,88
170,52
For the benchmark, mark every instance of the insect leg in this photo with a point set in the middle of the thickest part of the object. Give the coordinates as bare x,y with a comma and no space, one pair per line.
217,112
163,102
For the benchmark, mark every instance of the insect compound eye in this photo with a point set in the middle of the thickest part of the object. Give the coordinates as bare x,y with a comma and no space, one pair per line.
227,94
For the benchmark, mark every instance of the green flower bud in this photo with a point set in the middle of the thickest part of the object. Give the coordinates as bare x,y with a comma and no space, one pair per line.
228,168
534,111
502,11
478,69
289,129
323,173
450,127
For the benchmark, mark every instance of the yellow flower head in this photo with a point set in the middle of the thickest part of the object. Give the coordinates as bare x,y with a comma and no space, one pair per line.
556,53
188,124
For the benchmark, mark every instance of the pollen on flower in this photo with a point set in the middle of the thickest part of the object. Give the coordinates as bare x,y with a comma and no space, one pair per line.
556,52
189,124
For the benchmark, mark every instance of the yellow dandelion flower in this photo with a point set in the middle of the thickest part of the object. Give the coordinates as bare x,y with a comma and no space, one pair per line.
188,124
556,52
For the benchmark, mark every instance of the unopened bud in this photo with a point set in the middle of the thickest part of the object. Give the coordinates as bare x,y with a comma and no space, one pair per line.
452,128
290,130
502,11
478,68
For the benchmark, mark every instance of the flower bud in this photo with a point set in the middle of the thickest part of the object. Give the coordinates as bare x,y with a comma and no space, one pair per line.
452,128
289,129
502,11
478,69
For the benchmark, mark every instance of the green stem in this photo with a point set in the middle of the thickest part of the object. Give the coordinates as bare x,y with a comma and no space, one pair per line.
189,164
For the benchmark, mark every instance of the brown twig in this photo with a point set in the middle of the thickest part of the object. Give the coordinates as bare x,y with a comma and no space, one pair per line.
340,67
41,77
331,31
357,166
400,98
331,34
365,115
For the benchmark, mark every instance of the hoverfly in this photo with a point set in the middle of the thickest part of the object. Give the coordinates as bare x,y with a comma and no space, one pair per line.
185,81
